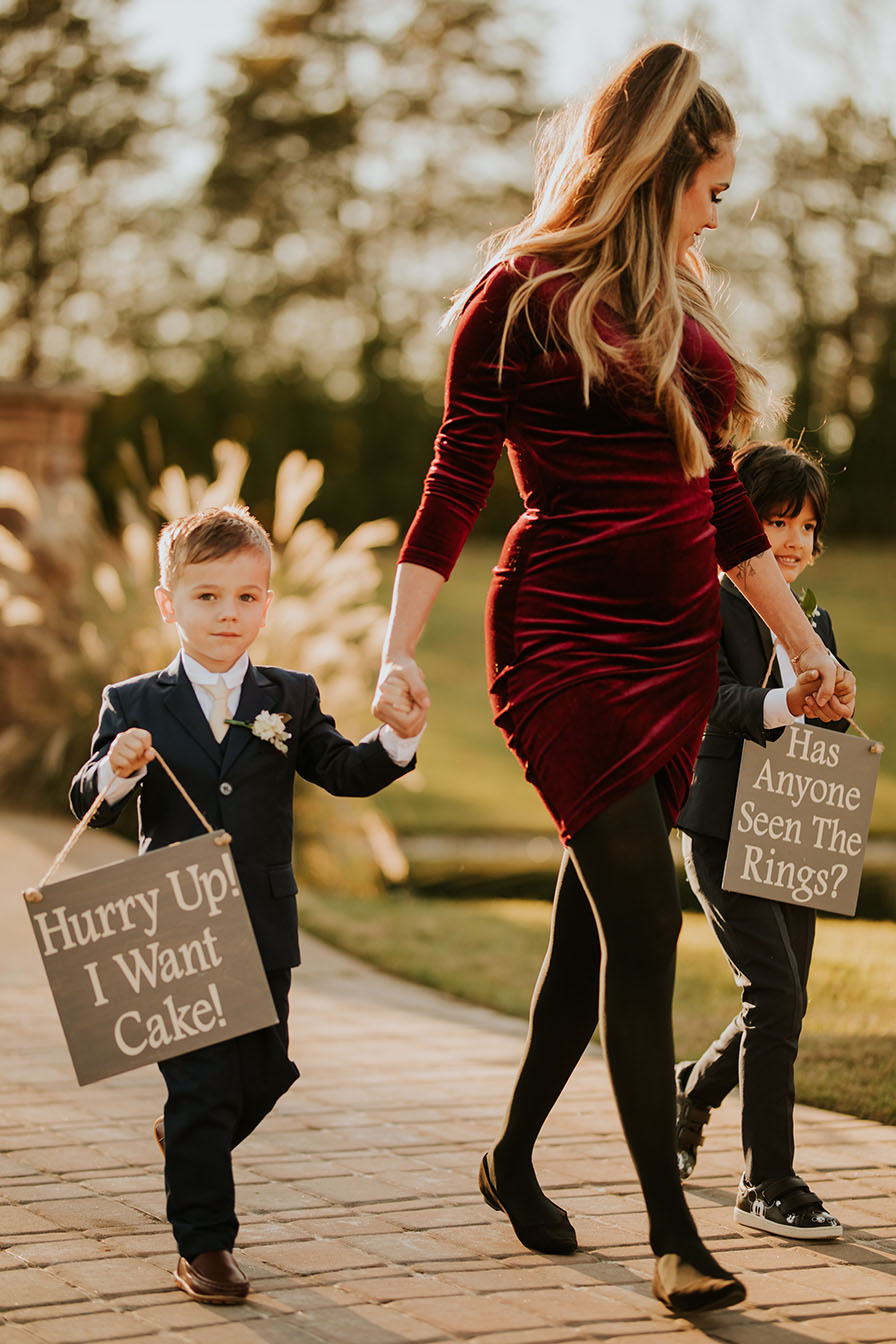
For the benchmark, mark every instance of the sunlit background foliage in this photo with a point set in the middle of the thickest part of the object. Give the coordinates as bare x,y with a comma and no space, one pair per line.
77,607
358,154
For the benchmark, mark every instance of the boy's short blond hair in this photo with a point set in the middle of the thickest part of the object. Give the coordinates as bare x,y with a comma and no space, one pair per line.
209,535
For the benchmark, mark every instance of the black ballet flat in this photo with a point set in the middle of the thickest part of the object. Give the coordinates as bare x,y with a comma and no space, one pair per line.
682,1288
553,1238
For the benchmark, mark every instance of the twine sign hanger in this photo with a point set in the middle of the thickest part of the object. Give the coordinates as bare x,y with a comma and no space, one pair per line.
34,894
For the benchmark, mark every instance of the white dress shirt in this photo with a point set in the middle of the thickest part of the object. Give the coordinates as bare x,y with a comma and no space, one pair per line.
399,749
775,713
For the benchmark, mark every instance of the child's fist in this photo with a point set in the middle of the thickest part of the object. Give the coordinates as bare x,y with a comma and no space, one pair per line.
401,698
803,689
131,751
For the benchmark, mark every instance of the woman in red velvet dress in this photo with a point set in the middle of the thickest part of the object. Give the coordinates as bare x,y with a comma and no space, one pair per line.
590,347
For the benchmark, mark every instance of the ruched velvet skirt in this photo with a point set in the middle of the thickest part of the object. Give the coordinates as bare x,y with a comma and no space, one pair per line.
602,662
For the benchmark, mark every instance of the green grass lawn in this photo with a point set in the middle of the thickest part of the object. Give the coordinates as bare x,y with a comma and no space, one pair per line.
489,952
468,781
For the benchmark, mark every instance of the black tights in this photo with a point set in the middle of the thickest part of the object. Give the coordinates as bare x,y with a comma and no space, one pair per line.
610,961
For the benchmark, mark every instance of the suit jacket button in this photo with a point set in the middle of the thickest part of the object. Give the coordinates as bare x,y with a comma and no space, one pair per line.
226,789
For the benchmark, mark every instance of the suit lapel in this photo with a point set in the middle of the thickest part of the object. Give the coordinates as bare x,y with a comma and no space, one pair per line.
179,699
258,693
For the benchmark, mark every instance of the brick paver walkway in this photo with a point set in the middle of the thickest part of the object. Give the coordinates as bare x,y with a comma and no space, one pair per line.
361,1221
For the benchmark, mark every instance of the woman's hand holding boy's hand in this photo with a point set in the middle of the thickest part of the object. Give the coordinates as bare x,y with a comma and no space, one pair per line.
801,697
837,692
401,698
842,704
131,751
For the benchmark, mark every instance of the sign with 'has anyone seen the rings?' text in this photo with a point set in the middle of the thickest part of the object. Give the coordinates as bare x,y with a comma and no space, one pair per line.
801,817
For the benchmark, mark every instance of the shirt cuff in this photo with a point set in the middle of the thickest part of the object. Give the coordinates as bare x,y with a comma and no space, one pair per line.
775,713
401,750
122,786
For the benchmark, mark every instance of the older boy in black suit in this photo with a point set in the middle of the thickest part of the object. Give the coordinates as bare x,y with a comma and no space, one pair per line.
768,944
235,735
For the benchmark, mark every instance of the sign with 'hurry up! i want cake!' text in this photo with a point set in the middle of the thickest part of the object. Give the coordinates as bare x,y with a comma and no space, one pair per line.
151,957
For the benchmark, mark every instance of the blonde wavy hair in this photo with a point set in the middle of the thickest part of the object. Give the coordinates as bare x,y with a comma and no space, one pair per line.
610,175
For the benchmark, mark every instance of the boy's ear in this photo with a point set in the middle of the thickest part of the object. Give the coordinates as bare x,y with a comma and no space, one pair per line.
269,597
165,604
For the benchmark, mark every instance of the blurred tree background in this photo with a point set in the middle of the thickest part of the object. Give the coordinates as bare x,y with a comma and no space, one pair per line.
818,262
292,296
78,128
362,152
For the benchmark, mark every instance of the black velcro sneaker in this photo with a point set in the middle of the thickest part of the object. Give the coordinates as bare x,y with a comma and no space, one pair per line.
690,1120
787,1208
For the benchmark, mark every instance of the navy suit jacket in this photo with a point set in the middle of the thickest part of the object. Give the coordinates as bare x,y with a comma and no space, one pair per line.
242,785
745,648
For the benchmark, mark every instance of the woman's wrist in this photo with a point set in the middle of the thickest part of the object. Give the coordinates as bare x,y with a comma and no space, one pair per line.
398,657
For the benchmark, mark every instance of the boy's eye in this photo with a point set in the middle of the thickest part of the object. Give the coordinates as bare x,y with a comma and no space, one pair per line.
248,597
715,197
206,597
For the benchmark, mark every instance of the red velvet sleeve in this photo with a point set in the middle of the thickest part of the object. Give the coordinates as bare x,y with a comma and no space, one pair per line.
471,436
739,533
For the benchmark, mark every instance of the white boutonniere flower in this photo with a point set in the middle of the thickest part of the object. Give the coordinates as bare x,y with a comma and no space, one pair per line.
269,727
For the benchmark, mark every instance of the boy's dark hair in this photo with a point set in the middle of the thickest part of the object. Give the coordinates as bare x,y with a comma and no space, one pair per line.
779,478
209,535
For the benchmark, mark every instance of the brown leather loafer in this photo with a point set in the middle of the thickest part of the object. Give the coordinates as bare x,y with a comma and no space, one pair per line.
158,1130
212,1276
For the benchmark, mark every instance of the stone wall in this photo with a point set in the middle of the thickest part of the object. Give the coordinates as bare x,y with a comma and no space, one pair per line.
42,430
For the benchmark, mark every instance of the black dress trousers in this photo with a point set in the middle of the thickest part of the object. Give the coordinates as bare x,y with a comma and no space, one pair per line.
216,1097
769,948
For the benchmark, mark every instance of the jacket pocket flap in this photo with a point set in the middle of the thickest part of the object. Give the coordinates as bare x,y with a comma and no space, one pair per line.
717,744
283,881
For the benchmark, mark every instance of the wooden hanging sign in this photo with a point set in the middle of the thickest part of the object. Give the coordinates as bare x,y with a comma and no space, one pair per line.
801,817
151,957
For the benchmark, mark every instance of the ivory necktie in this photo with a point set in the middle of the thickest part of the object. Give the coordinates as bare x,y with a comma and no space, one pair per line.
219,693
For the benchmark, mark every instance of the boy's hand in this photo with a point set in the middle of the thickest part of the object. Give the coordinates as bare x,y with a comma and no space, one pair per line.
401,698
802,691
131,751
842,704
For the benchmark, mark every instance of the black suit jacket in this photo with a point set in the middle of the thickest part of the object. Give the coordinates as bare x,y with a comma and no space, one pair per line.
242,785
745,648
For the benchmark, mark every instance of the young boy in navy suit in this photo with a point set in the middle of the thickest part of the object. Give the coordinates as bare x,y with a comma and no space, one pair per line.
214,588
768,944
